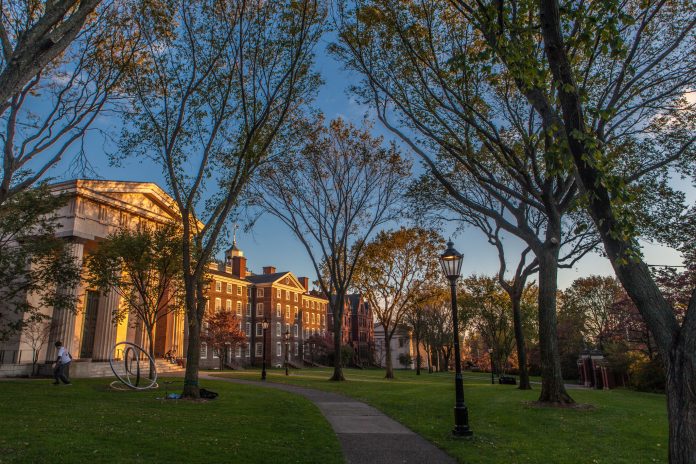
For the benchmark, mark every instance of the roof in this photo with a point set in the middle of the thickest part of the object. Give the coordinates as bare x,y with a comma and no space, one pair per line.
266,278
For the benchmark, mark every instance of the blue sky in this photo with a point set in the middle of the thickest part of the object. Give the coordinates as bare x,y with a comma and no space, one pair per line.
271,243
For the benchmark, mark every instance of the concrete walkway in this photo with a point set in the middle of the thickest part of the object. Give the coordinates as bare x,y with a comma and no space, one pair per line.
366,435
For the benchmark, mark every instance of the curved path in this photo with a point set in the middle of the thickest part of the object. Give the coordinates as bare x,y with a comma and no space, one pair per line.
366,435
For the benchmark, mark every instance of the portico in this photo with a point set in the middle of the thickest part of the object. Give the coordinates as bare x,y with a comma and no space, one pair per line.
94,210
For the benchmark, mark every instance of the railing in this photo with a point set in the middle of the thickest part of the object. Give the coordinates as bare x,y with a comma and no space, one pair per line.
16,356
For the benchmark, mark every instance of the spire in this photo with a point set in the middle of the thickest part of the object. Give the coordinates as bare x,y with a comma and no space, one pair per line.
233,250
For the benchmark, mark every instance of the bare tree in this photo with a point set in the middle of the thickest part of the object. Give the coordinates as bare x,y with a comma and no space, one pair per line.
332,193
391,271
212,99
431,201
36,333
62,64
34,34
428,93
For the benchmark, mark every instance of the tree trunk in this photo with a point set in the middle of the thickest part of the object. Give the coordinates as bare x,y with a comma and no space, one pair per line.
445,358
519,340
681,401
388,361
195,310
552,388
418,356
338,323
151,349
193,356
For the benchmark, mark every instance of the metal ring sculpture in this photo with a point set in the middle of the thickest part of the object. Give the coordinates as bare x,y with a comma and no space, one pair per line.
132,372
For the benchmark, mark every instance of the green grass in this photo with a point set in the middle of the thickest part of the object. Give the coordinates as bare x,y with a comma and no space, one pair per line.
88,422
622,426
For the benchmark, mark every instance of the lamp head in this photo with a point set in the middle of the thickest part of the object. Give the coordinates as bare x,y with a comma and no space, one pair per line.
451,262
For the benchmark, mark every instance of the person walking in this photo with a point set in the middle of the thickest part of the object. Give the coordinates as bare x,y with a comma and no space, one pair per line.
62,365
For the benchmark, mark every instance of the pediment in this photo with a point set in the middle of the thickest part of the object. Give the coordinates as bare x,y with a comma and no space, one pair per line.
140,199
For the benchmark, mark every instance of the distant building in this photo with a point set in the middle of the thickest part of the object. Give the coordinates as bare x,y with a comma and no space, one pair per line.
401,343
357,328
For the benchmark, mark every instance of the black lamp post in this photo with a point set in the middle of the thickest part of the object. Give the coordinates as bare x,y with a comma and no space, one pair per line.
286,338
490,355
265,325
451,261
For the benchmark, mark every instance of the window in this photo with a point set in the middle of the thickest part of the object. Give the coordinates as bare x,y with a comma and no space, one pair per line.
204,351
323,319
218,304
248,329
312,305
259,292
248,309
287,295
295,312
295,330
287,312
278,329
229,287
295,296
239,308
259,309
239,290
249,292
216,353
229,305
259,329
297,348
279,294
279,349
248,351
401,342
218,286
313,319
259,349
279,311
238,351
306,316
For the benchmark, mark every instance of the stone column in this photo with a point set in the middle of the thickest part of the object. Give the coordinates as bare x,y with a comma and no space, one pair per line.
106,328
63,322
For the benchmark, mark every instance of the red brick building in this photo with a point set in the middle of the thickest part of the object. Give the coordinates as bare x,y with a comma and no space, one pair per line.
358,328
280,298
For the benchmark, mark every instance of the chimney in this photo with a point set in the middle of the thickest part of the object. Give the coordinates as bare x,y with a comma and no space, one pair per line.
305,282
239,267
269,270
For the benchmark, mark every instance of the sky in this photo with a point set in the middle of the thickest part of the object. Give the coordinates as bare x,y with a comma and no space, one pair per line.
270,243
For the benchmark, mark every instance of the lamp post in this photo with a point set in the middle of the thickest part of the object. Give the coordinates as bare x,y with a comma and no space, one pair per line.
286,338
451,261
490,355
265,325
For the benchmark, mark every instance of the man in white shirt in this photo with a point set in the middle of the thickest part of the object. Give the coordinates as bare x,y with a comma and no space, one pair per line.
62,365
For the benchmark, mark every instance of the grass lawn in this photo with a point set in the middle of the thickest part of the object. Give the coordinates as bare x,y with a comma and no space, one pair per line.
622,426
88,422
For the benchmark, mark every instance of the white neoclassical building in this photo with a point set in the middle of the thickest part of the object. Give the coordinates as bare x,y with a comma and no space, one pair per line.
95,209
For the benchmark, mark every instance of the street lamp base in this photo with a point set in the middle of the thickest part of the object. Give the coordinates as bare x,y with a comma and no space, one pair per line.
462,431
461,421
